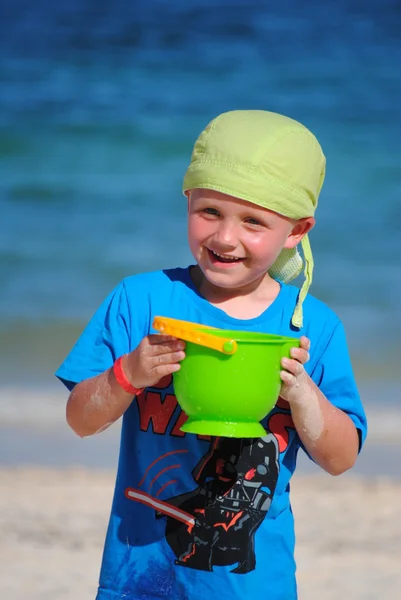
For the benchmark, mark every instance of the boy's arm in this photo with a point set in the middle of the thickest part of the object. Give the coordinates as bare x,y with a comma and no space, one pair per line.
328,433
95,403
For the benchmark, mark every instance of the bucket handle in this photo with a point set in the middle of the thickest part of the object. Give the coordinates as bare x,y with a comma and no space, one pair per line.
191,332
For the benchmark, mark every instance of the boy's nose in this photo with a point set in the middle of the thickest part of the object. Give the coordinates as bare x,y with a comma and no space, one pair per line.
226,234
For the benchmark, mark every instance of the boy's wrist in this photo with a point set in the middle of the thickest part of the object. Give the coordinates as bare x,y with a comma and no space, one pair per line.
122,379
298,394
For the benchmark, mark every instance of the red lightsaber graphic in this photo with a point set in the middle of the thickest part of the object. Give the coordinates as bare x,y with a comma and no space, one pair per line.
160,506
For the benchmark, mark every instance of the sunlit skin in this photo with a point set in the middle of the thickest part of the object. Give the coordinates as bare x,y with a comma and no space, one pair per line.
234,244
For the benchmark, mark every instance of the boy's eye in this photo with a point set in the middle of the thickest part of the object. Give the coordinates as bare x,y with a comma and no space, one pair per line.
252,221
211,211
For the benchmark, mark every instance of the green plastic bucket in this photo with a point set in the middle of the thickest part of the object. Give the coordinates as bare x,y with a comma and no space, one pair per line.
229,394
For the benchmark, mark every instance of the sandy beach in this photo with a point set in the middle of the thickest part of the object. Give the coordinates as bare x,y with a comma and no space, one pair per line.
53,523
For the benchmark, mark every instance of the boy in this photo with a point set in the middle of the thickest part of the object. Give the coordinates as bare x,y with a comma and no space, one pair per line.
196,517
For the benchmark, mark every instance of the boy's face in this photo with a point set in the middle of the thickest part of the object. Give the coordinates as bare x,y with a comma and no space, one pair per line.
235,242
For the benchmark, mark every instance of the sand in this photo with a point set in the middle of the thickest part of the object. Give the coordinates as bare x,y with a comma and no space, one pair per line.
53,524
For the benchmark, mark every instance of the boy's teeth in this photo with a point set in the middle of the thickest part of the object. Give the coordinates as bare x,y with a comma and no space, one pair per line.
225,257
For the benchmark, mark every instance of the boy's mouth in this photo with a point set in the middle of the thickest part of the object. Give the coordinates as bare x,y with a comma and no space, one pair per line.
223,258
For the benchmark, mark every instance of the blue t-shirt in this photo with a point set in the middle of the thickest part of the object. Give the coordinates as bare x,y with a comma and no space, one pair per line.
195,518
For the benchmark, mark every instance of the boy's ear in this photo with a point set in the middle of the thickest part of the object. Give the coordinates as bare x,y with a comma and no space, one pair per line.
300,229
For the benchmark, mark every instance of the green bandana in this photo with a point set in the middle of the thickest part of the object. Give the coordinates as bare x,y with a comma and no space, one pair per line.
269,160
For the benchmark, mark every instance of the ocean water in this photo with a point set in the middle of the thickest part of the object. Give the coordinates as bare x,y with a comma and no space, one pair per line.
100,104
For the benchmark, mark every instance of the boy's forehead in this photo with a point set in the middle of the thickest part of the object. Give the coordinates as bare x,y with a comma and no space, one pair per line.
199,194
209,194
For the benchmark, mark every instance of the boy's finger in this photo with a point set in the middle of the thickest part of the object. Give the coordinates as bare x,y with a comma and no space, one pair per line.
287,378
169,358
300,354
292,366
304,342
160,338
166,347
168,369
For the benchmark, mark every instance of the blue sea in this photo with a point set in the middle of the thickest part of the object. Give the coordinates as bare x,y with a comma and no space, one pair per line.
100,104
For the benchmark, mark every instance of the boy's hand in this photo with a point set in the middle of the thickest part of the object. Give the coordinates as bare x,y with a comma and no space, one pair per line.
155,357
294,377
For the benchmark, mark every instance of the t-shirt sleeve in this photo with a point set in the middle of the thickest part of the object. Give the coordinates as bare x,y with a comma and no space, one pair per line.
106,337
334,375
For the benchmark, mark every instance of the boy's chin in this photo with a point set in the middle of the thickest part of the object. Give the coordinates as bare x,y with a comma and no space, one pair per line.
225,281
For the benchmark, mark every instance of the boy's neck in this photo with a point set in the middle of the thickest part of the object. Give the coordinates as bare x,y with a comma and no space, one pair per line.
244,303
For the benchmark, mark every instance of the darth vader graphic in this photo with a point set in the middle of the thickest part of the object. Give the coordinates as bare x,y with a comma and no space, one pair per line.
236,480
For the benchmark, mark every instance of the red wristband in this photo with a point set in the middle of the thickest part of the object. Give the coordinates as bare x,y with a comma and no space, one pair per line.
122,379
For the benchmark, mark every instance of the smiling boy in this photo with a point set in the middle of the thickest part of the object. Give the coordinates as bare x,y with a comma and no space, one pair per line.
191,516
235,244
